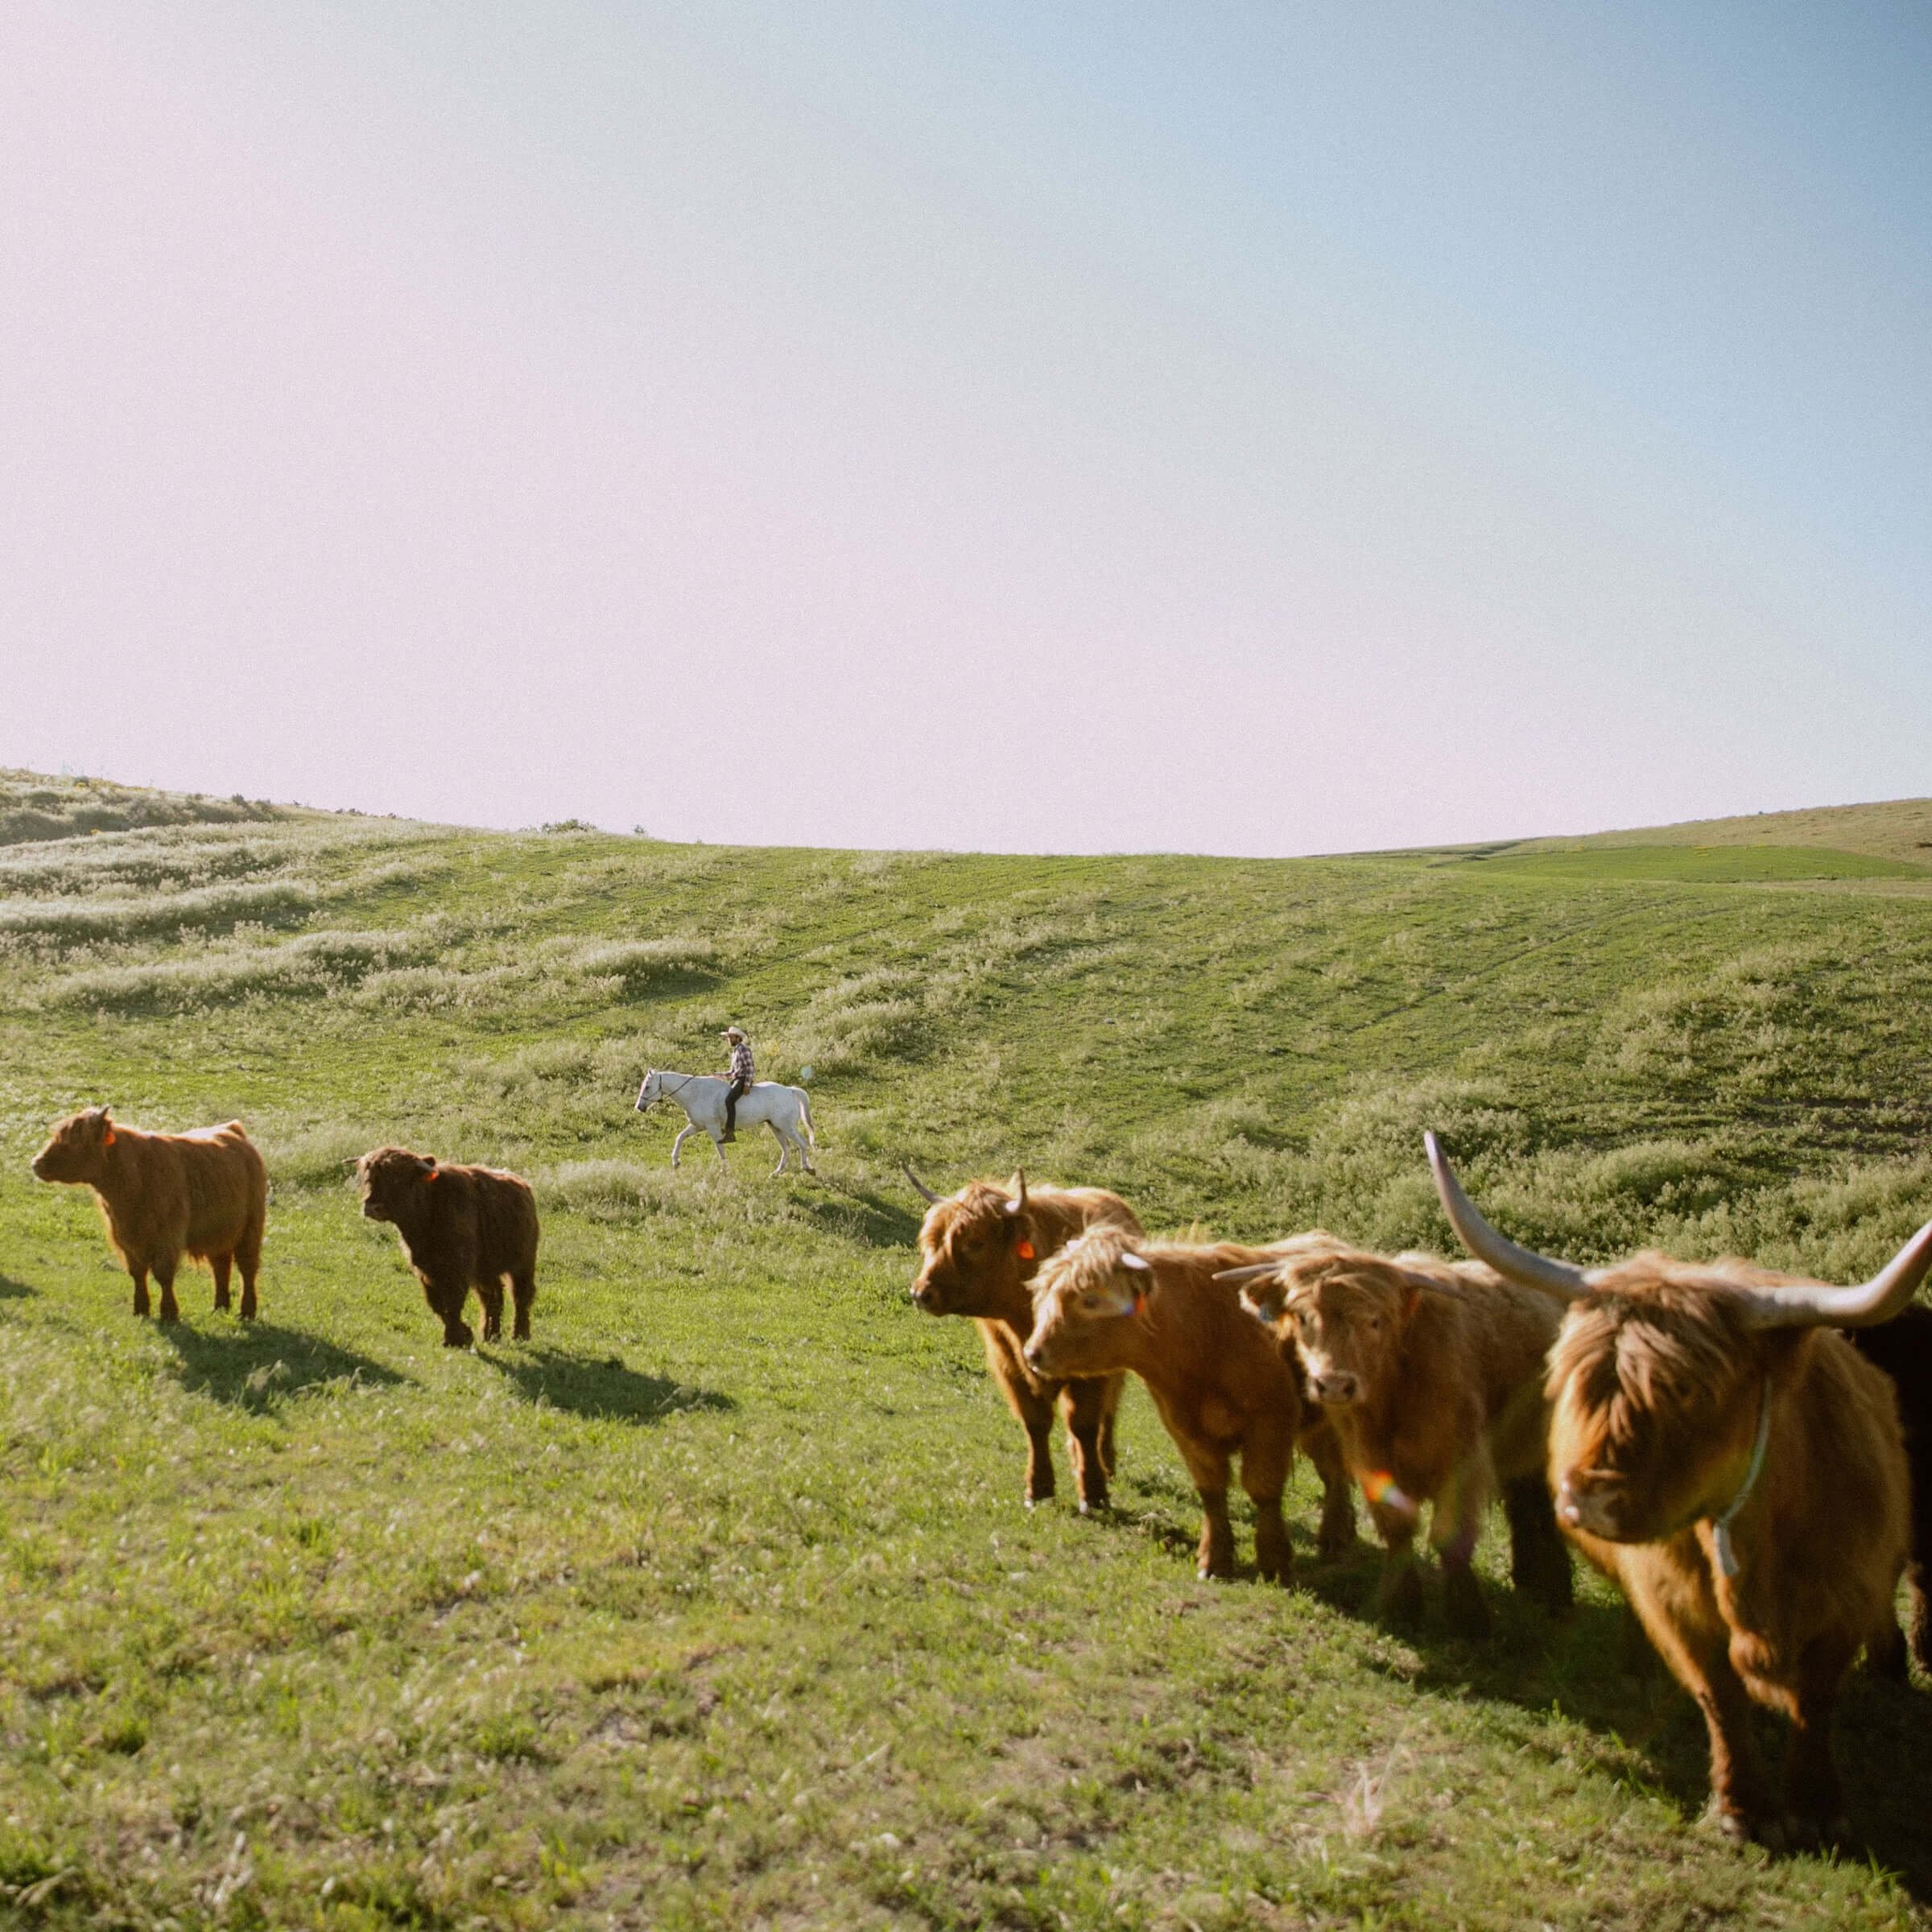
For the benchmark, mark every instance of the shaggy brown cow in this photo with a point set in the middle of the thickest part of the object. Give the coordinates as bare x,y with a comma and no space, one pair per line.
1107,1303
1902,1346
1430,1375
979,1250
1737,1467
462,1228
162,1195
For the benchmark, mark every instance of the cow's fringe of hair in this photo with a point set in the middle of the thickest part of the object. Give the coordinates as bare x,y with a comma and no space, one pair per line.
1657,1334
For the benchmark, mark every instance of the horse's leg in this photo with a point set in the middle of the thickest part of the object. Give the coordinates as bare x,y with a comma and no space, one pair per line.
717,1142
784,1147
691,1127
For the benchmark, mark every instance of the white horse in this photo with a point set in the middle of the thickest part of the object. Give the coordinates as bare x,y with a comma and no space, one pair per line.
783,1109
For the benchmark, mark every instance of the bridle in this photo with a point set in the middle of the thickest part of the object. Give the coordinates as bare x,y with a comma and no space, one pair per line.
664,1093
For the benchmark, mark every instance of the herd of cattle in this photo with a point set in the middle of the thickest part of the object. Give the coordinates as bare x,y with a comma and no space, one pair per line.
1725,1443
1748,1455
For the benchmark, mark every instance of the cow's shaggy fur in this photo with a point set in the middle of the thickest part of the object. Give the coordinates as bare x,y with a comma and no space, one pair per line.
973,1261
162,1195
1655,1382
1218,1381
1902,1348
1430,1372
461,1227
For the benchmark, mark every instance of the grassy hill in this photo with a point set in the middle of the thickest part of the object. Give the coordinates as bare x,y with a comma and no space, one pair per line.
716,1605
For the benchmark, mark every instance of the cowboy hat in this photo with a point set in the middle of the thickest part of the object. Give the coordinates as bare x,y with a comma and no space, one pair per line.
733,1033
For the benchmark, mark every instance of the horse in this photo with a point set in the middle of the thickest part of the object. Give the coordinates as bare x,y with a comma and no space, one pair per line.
783,1109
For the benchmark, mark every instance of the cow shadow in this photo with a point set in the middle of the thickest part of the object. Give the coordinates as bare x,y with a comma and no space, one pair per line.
1596,1667
259,1365
598,1387
12,1290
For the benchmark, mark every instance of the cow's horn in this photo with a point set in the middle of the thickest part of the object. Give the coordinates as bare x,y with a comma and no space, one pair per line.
919,1186
1502,1254
1249,1271
1139,1263
1018,1204
1810,1304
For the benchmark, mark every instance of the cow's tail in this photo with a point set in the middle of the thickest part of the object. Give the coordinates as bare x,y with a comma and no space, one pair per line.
805,1114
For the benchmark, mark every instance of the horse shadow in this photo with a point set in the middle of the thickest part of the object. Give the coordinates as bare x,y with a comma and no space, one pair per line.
598,1387
859,1215
12,1290
259,1365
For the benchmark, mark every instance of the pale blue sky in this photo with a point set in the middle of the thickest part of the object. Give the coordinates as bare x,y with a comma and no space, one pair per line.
1246,428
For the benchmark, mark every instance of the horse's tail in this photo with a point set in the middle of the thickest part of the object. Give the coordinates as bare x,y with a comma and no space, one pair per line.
805,1114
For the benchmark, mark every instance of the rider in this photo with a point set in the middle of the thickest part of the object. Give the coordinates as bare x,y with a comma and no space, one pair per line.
741,1075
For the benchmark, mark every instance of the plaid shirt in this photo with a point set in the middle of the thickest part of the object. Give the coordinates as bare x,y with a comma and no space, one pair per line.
741,1062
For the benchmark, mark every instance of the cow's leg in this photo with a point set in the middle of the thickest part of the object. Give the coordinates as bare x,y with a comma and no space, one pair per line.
218,1266
1036,1413
248,1260
1886,1655
1266,1458
1087,1416
164,1280
1207,1465
523,1292
1812,1796
1107,1450
1539,1559
1335,1536
446,1303
490,1294
1274,1553
1399,1596
1696,1648
139,1273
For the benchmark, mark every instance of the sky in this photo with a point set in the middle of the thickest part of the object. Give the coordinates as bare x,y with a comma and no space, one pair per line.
1253,428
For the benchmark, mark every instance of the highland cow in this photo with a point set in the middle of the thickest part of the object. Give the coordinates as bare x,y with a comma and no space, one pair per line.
1431,1374
461,1227
1106,1303
162,1195
1737,1466
979,1250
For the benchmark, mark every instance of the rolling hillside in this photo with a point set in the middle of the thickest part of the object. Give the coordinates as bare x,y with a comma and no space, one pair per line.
717,1605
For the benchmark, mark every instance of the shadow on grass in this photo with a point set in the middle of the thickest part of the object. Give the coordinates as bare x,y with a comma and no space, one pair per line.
1596,1667
859,1215
258,1365
12,1290
597,1387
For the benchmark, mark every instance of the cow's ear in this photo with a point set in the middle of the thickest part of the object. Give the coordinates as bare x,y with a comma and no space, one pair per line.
427,1163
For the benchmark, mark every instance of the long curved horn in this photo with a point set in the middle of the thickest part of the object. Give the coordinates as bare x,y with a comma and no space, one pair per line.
1502,1254
1811,1304
919,1186
1249,1271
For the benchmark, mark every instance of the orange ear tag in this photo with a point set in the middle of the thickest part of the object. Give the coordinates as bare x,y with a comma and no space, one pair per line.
1025,1251
108,1139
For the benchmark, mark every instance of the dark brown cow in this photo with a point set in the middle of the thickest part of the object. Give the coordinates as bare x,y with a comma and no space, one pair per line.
162,1195
1431,1375
1737,1467
979,1251
1902,1348
462,1228
1108,1302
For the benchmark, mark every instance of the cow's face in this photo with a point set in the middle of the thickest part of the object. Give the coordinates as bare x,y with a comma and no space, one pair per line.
392,1180
1651,1421
977,1253
1345,1331
1086,1303
77,1150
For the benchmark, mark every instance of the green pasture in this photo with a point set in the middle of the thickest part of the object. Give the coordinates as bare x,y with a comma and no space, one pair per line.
717,1606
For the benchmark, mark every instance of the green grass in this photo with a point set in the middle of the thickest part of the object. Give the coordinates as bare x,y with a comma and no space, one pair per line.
1698,864
717,1606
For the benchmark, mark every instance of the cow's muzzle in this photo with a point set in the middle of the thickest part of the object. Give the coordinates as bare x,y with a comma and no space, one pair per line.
1581,1504
1336,1390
